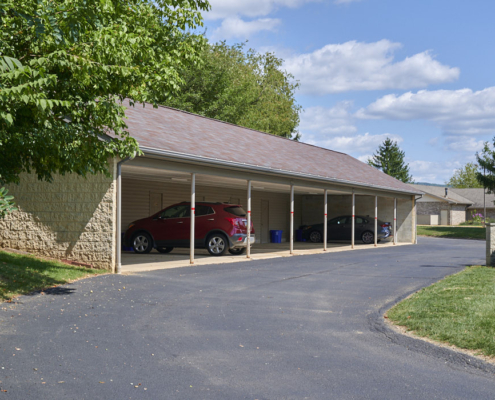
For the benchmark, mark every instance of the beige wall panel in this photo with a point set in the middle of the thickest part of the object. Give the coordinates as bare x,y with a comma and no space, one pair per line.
312,211
72,218
136,201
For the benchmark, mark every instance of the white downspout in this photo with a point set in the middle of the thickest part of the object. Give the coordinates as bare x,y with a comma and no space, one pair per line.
325,221
353,224
248,249
192,217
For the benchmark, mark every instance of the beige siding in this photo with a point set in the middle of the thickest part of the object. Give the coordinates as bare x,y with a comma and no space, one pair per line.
136,201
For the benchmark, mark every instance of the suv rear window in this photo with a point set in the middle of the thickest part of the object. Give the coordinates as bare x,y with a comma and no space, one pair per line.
237,211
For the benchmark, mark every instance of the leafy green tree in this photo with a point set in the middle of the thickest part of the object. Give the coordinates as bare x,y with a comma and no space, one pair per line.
389,158
6,203
465,177
66,64
241,87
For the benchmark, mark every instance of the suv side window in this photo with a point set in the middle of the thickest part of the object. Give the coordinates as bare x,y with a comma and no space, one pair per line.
203,210
176,212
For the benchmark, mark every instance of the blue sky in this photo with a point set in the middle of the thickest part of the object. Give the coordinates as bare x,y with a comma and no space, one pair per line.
421,72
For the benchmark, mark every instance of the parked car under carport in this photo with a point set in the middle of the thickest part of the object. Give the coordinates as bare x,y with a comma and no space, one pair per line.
340,228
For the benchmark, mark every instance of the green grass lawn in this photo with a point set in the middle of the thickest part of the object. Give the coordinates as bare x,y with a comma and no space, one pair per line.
460,232
459,310
21,274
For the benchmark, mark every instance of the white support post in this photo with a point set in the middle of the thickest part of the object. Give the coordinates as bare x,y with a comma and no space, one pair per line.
353,230
395,221
119,219
291,234
248,249
193,217
325,221
376,220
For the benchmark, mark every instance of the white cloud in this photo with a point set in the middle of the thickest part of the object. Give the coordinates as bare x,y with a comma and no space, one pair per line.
461,112
324,121
345,1
253,8
464,144
433,172
358,144
237,28
365,66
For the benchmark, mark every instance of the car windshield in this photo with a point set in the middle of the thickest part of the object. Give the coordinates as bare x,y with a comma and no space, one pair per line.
236,210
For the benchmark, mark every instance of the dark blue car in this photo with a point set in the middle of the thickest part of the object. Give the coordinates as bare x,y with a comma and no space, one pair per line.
340,228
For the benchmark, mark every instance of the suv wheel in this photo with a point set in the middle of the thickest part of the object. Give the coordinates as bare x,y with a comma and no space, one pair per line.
142,243
217,244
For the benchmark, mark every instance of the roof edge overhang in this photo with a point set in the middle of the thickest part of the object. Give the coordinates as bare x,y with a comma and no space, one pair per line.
177,156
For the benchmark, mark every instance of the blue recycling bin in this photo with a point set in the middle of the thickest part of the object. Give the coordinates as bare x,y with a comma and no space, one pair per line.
125,248
275,236
299,235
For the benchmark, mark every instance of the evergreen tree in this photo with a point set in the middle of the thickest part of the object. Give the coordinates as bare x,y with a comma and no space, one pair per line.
465,177
486,161
389,158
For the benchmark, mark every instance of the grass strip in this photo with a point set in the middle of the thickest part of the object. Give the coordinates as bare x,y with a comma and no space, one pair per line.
22,274
459,232
459,310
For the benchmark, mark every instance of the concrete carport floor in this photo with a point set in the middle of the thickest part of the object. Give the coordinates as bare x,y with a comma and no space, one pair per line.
148,187
132,262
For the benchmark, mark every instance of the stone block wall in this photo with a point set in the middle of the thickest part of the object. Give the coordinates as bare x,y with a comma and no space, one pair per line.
434,208
72,218
490,245
458,214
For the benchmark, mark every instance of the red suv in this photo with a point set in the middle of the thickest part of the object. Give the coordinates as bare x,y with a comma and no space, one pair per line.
219,227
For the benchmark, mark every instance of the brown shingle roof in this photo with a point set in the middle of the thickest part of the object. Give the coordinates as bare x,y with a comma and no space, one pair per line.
439,191
173,130
476,197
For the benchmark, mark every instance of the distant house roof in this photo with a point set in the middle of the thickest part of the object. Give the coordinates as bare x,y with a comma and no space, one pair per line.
476,197
178,132
439,192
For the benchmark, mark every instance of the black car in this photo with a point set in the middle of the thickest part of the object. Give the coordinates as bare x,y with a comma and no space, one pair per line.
340,228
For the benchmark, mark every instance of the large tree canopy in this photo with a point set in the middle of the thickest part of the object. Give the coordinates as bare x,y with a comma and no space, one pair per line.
241,87
465,177
64,64
389,158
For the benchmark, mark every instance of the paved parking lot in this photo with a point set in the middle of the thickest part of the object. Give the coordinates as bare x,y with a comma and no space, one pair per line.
283,328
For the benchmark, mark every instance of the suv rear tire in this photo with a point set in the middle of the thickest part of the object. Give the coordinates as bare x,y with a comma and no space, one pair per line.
238,251
217,244
164,250
142,243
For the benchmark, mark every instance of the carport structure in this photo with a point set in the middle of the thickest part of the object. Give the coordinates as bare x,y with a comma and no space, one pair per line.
282,183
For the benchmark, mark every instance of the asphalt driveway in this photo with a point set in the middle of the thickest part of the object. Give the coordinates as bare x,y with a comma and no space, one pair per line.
306,327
